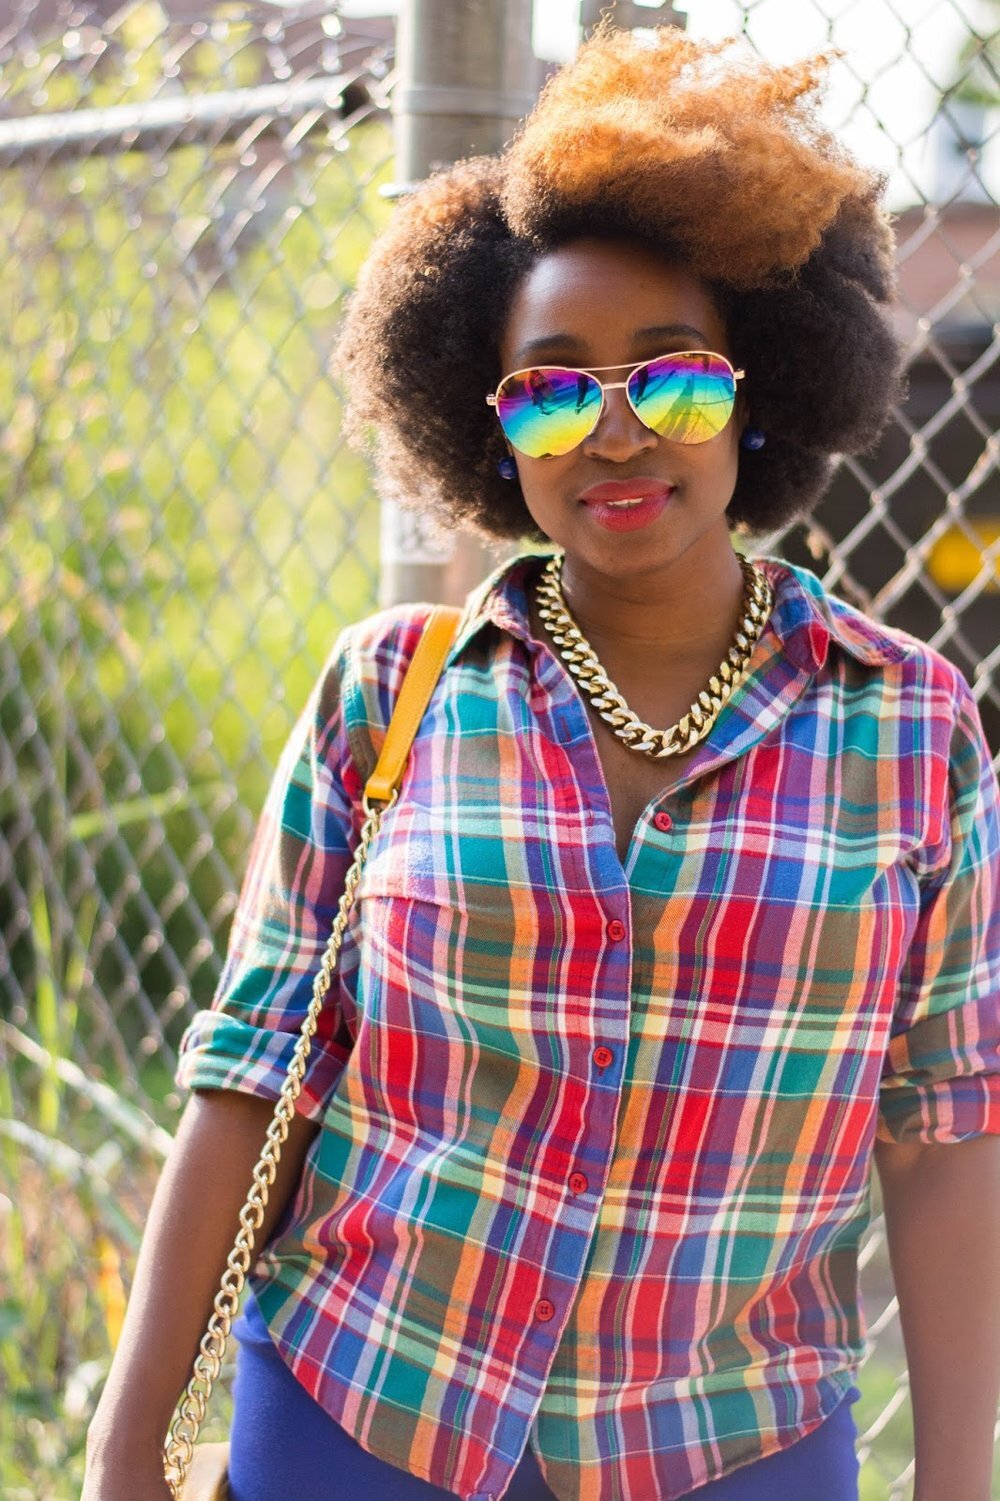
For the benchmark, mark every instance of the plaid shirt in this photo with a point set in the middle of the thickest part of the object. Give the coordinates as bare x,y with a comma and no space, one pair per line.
596,1140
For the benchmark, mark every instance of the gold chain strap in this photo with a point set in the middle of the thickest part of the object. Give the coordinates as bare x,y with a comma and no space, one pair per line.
184,1430
582,661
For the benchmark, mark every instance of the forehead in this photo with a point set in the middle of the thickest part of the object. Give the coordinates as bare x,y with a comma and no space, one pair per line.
597,296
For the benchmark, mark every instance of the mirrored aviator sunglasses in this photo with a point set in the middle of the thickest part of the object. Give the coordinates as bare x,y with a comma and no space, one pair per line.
548,410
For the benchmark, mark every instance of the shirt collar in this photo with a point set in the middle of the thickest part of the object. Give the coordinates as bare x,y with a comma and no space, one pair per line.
805,619
501,600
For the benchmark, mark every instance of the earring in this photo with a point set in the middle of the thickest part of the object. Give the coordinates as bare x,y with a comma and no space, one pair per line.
752,438
506,467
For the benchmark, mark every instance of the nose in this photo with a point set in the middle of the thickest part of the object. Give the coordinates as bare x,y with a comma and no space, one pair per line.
619,435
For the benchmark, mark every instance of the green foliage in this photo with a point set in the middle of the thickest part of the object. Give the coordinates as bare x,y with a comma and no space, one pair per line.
181,537
182,532
67,1234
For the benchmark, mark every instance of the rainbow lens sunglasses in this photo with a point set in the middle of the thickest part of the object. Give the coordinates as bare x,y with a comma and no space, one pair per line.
548,410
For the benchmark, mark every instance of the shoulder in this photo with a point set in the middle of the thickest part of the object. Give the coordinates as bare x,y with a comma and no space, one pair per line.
907,664
367,663
926,713
385,641
361,678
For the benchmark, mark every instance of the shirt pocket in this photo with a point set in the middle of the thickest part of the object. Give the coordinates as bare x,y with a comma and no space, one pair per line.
770,984
438,972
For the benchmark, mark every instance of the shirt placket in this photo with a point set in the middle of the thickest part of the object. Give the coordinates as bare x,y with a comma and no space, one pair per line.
597,1057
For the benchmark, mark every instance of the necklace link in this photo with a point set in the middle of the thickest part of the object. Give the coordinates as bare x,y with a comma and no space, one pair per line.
583,662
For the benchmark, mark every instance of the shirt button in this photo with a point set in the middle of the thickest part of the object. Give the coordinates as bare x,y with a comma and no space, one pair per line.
616,930
578,1183
663,822
603,1056
544,1311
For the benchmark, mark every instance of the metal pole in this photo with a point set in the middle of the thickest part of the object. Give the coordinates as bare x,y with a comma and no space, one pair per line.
467,75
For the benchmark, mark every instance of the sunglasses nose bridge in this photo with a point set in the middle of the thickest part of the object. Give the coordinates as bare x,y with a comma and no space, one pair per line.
618,425
621,405
615,385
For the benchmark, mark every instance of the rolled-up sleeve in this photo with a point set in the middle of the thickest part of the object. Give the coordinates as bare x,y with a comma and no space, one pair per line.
941,1078
301,850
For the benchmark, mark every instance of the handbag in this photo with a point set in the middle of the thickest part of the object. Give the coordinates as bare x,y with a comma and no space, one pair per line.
198,1472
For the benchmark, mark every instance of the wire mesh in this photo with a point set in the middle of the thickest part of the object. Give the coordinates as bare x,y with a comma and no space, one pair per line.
188,193
911,532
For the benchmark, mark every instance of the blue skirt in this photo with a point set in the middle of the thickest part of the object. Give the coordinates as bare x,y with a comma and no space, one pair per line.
285,1447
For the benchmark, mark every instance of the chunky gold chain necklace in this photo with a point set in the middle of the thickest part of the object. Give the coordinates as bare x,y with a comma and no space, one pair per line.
582,661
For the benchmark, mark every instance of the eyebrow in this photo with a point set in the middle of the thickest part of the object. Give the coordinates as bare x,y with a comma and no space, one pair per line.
641,336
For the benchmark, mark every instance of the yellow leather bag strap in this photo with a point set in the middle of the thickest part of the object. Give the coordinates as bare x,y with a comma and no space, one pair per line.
414,696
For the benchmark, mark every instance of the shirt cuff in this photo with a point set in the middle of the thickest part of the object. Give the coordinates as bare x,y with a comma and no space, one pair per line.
949,1110
218,1051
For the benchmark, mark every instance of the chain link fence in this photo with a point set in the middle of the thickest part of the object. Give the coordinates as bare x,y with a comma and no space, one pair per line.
188,191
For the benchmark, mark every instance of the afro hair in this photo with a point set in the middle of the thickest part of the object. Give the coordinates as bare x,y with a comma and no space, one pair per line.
728,173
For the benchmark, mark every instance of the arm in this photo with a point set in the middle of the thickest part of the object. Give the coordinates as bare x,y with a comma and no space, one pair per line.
191,1228
937,1146
942,1211
235,1057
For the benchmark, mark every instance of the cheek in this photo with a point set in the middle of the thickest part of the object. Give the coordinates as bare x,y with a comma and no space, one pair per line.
732,470
718,459
545,487
541,479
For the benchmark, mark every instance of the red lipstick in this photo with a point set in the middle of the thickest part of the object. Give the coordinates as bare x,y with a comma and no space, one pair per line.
626,505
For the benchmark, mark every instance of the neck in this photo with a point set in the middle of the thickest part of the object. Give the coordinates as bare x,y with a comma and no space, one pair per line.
686,611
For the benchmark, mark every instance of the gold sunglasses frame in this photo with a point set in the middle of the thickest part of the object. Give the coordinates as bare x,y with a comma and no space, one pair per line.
617,385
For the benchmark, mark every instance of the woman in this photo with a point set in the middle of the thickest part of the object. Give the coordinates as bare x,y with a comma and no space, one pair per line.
673,930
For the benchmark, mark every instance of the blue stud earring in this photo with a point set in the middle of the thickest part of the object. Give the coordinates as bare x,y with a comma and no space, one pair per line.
752,438
506,467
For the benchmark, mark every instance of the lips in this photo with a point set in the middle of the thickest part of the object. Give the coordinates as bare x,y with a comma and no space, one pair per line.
626,505
623,490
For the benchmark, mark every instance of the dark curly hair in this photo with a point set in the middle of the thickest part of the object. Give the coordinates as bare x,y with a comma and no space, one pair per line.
703,153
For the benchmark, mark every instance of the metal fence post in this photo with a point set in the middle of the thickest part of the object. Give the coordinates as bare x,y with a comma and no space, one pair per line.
467,75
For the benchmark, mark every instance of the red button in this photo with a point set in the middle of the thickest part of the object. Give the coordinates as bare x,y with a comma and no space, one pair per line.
544,1311
663,822
578,1183
616,930
603,1056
